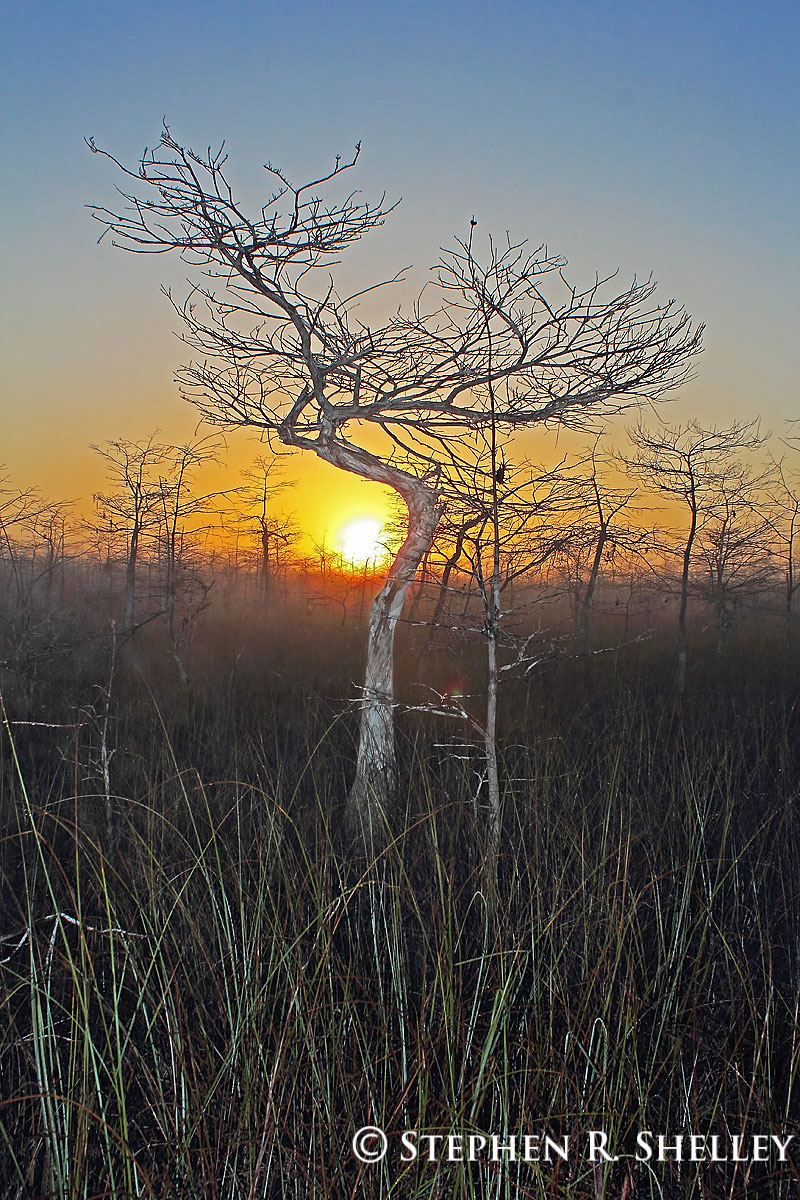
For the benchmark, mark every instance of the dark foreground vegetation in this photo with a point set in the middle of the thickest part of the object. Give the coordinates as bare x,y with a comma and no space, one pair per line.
206,992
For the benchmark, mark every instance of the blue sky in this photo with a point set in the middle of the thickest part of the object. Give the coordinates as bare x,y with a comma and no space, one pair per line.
647,137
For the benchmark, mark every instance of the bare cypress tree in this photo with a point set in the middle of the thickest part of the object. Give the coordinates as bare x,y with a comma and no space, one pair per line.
263,482
734,548
281,350
782,514
147,511
502,522
602,531
133,510
690,464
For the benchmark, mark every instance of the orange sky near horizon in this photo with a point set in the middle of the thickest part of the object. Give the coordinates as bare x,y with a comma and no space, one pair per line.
647,138
320,500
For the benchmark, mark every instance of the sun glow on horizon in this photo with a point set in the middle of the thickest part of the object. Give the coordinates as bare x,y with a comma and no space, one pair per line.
360,542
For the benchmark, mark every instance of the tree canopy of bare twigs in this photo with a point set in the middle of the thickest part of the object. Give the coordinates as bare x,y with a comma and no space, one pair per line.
781,511
150,504
692,465
502,338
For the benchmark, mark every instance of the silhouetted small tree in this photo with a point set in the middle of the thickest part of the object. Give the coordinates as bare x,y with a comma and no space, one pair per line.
150,508
274,531
603,530
690,464
734,547
132,510
781,511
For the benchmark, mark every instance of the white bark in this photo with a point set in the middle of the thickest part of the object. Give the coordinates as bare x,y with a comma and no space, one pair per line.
372,794
371,797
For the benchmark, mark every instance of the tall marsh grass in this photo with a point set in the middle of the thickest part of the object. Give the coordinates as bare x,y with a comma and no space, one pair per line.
205,994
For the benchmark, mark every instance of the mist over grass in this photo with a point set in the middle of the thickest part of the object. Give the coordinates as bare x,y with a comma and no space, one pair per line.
206,991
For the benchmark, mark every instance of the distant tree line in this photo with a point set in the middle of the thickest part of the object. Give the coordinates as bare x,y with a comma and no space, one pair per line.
702,517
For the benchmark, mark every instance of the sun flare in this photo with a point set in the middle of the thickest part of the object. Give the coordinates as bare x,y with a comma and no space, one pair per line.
360,542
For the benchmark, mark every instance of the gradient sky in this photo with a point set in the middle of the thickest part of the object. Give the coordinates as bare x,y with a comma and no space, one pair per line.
649,137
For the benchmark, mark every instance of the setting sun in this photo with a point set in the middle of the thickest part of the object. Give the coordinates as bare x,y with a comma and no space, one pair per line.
360,541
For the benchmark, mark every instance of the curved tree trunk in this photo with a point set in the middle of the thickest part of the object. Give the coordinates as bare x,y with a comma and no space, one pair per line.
372,794
371,797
